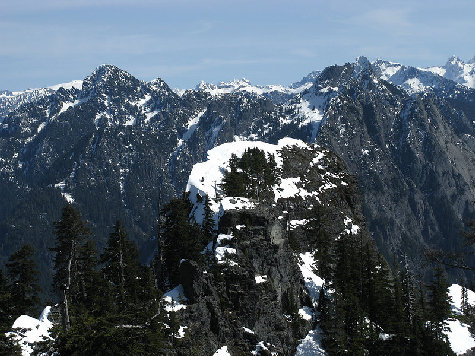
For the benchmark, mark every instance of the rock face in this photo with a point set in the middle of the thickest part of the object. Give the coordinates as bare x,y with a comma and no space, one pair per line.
413,156
251,295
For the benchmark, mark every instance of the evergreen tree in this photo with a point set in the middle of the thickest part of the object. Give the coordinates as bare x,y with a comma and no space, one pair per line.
121,266
439,303
438,312
208,226
252,175
7,345
182,237
71,232
23,281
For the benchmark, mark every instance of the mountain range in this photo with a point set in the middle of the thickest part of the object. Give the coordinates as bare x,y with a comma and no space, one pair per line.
105,143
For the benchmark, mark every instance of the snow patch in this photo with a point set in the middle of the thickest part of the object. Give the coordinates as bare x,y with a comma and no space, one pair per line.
311,345
223,351
31,330
67,196
175,299
222,252
460,338
260,279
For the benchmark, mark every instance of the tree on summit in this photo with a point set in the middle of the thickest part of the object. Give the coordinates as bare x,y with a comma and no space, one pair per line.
252,175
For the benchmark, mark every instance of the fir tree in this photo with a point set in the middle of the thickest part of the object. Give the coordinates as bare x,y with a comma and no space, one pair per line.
7,345
23,281
252,175
182,237
208,226
121,266
70,231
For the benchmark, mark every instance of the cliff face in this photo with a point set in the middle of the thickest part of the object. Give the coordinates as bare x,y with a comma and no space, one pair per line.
259,289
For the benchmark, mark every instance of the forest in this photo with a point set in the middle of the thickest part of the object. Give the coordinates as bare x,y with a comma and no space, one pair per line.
109,303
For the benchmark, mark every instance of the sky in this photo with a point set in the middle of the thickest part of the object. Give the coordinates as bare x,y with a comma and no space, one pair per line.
46,42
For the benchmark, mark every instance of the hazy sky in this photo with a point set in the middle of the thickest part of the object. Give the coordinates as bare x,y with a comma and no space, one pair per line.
44,42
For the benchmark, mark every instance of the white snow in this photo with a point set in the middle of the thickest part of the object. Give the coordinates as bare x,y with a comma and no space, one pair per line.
67,196
306,313
206,177
243,85
68,105
72,84
260,347
249,331
459,335
181,332
31,330
260,279
295,223
311,344
352,229
222,252
190,128
313,282
223,351
175,299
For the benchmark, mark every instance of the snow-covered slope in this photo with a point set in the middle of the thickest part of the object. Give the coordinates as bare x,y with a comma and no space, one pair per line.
457,70
417,79
244,86
460,338
206,177
9,101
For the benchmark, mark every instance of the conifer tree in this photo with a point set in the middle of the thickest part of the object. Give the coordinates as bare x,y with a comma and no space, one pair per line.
71,232
23,281
182,237
7,345
439,304
121,266
208,226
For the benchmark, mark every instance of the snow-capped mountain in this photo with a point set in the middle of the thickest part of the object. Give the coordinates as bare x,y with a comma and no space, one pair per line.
104,144
277,93
9,101
417,80
457,70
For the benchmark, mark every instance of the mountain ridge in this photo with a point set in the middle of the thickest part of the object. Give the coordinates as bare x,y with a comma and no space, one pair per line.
117,136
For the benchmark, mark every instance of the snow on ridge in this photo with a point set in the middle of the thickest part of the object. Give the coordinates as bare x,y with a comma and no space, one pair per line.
244,85
69,85
422,79
206,177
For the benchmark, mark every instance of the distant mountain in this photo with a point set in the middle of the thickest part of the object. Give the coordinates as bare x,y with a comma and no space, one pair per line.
9,101
416,80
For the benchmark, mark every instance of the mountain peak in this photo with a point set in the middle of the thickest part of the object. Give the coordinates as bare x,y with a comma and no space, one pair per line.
454,60
108,78
362,64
